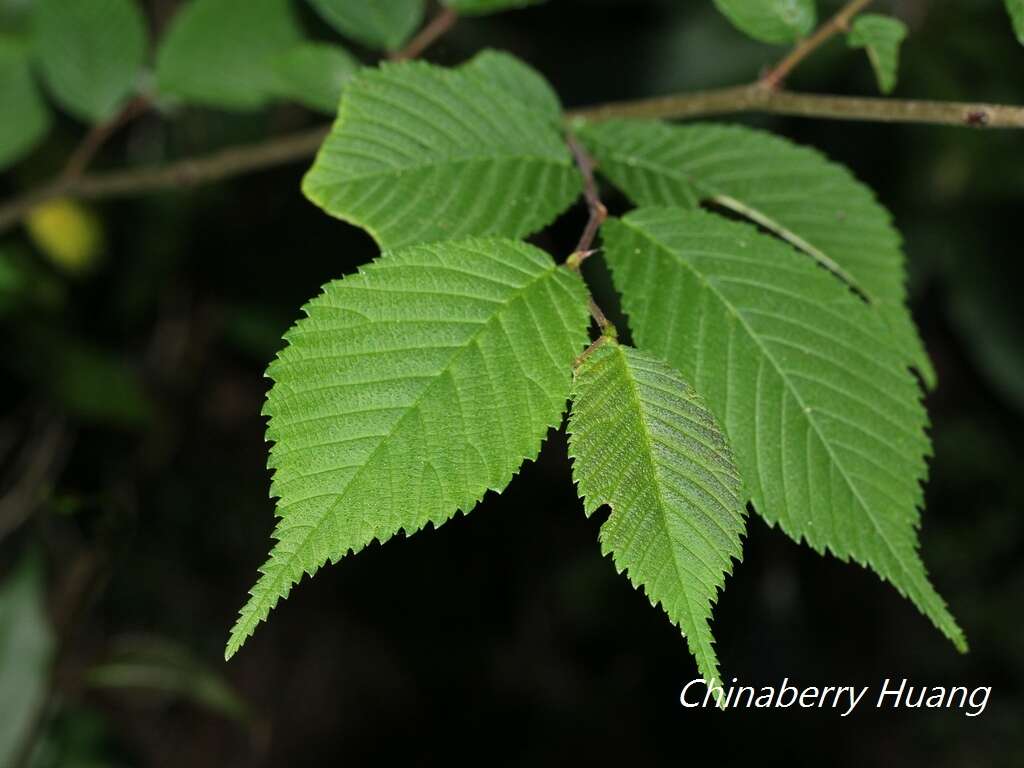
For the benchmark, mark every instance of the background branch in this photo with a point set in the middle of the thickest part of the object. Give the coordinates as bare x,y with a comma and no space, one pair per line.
757,98
427,36
97,137
754,97
217,166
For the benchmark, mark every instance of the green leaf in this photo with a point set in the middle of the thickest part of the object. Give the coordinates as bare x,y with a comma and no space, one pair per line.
882,37
385,24
480,7
314,73
644,443
420,153
97,387
515,79
408,391
825,421
223,53
90,53
26,650
1016,10
794,192
26,119
771,21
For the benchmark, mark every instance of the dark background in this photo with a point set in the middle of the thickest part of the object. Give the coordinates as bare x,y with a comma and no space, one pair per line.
504,636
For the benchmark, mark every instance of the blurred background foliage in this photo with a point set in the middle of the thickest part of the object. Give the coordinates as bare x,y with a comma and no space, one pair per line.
133,494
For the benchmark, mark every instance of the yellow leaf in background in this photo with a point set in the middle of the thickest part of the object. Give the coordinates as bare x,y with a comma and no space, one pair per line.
68,234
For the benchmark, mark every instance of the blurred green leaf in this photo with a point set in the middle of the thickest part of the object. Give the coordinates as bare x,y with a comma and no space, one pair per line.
90,53
473,7
26,651
98,387
771,21
23,284
155,664
26,118
313,74
383,24
74,738
16,16
1016,9
222,53
881,36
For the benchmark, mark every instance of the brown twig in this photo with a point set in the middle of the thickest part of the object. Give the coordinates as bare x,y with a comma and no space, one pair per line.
216,166
97,137
838,23
427,36
596,214
582,357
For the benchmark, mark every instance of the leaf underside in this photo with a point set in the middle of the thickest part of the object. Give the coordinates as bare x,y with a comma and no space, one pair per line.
771,21
420,154
408,391
825,421
644,443
26,651
795,192
881,36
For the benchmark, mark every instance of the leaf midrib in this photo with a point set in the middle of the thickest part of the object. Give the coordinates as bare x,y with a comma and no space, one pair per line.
445,163
645,436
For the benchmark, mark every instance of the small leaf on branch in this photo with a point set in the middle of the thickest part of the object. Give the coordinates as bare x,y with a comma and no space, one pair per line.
881,36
